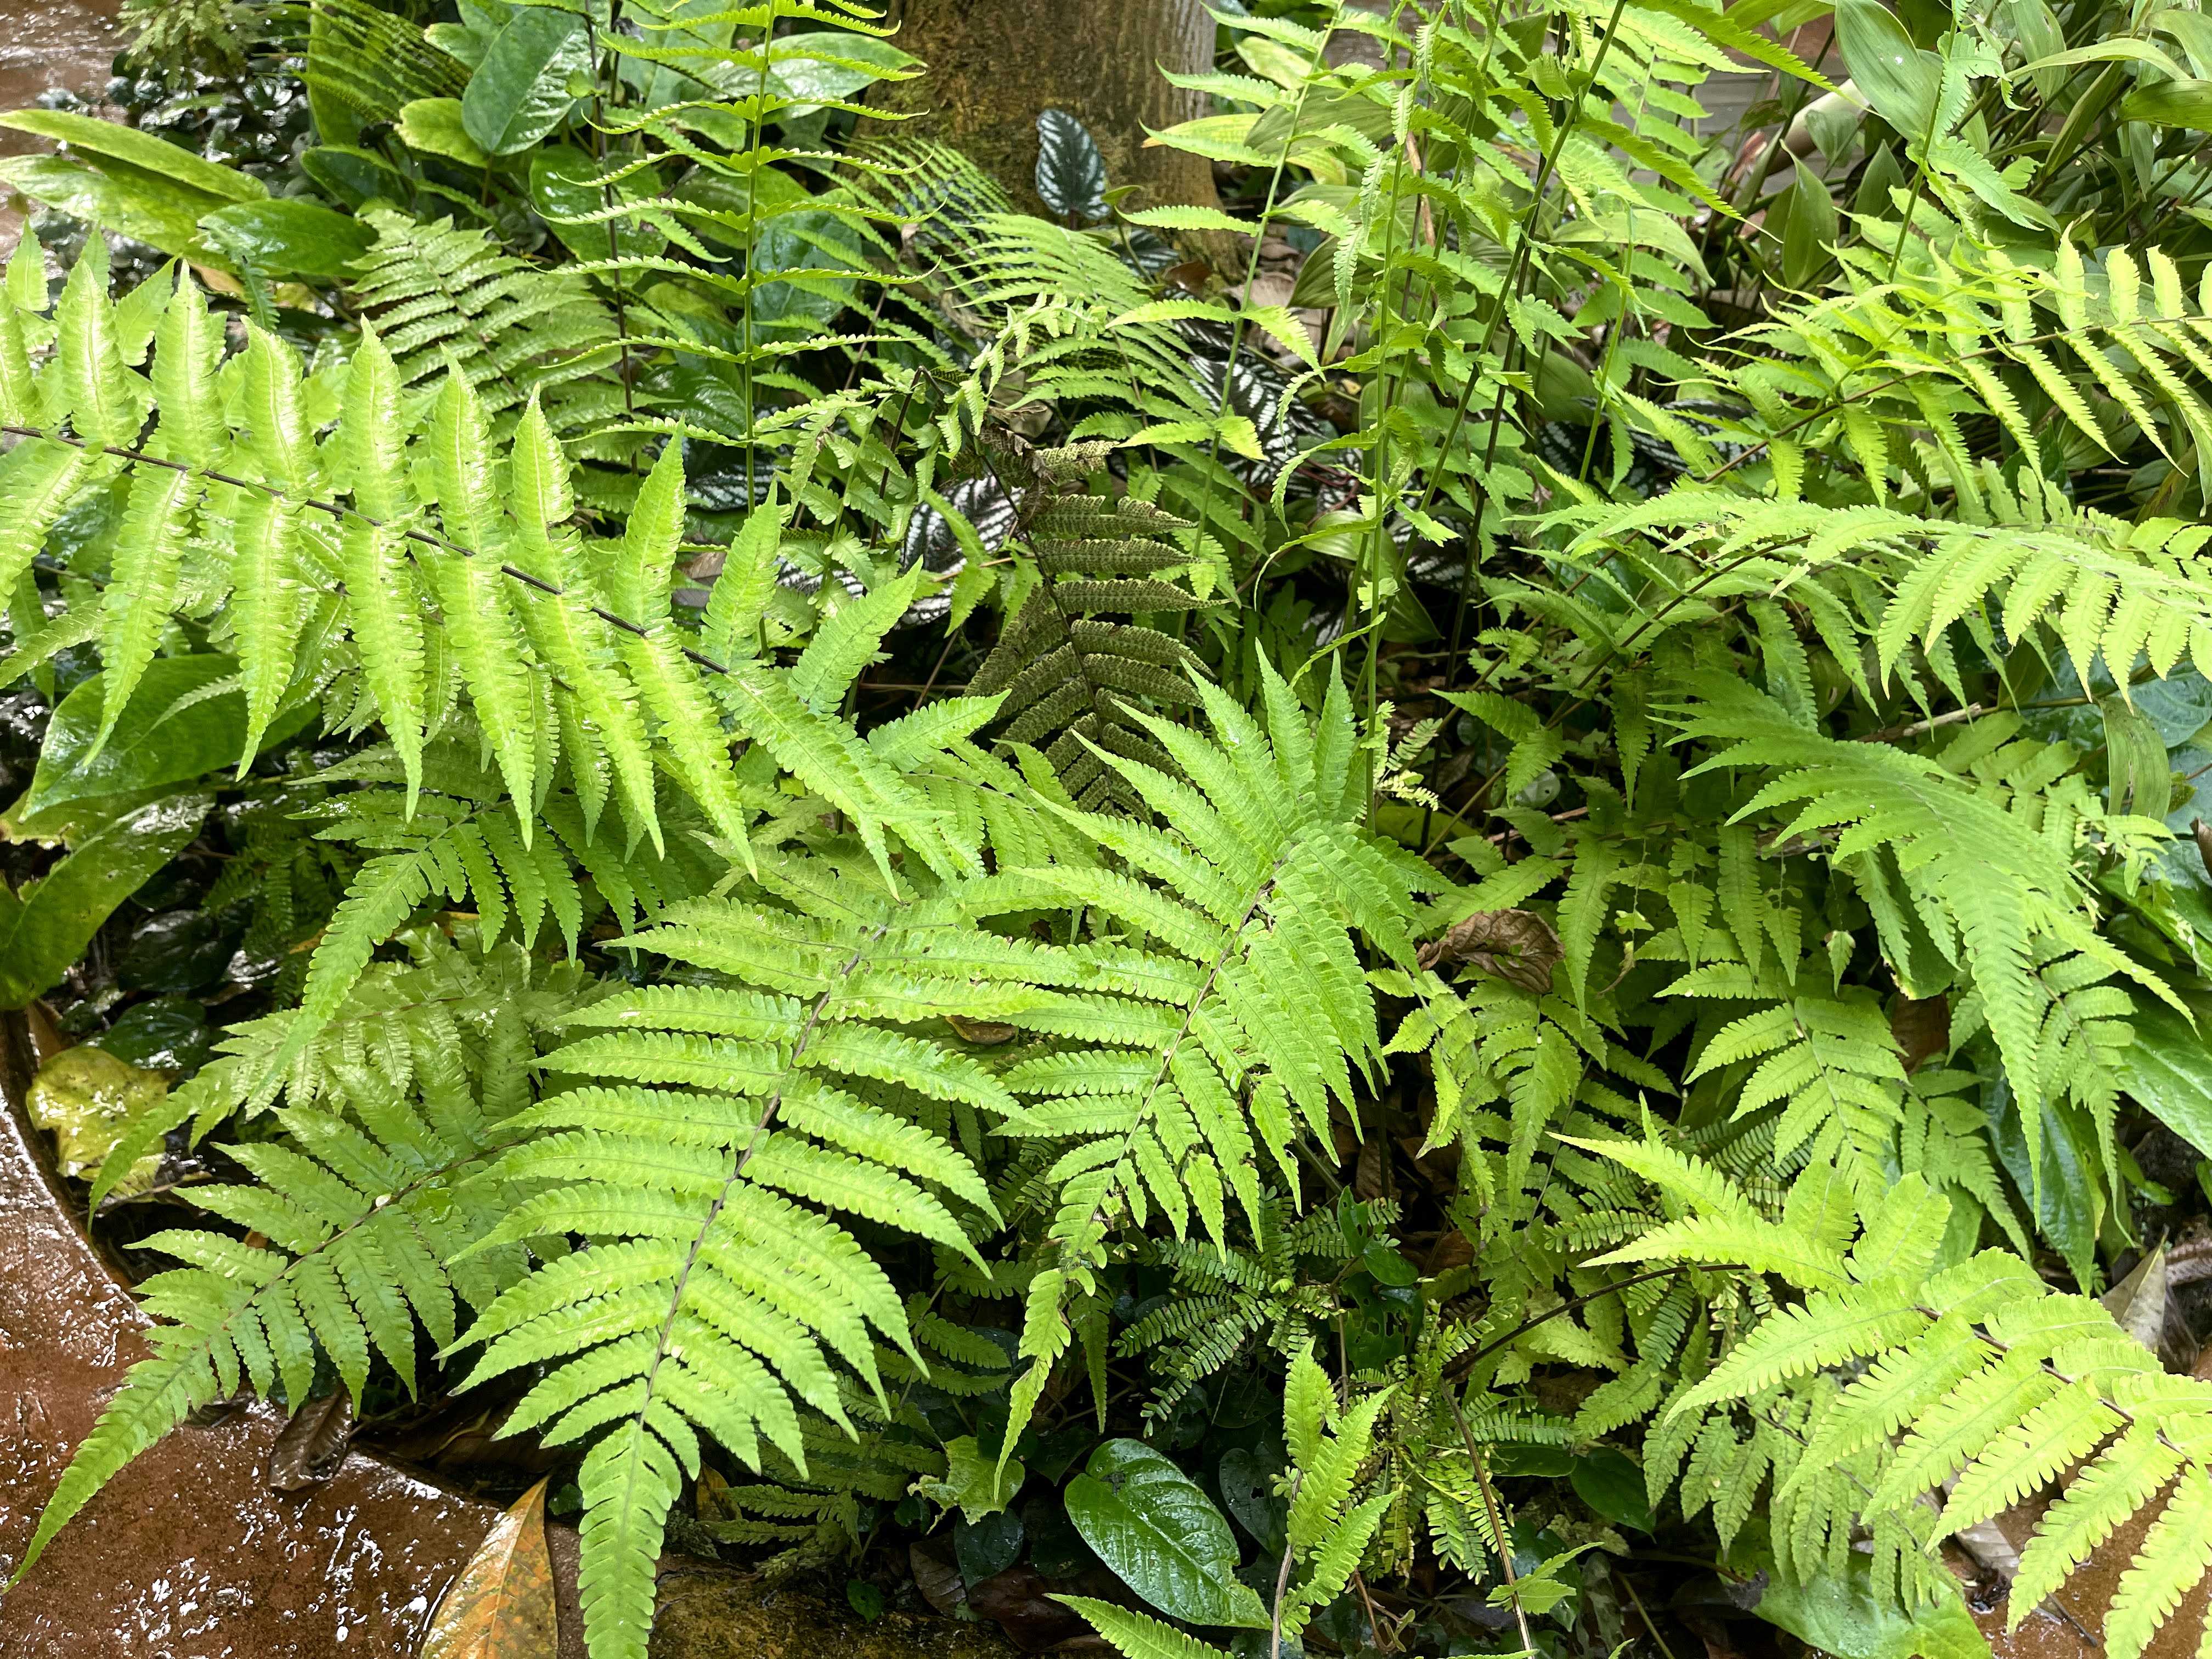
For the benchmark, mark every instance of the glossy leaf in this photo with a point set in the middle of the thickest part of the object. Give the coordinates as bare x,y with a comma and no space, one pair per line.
150,746
1151,1523
291,238
1071,173
434,126
2169,1070
155,157
134,204
46,928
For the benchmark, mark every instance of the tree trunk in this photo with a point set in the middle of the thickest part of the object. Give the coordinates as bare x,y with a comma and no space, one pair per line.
994,65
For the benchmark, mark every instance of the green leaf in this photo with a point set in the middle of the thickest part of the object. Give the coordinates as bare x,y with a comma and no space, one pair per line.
434,125
1612,1485
46,928
1150,1521
291,238
563,186
148,746
1812,229
820,65
1901,80
156,157
519,93
974,1482
2171,104
1840,1614
132,204
2169,1070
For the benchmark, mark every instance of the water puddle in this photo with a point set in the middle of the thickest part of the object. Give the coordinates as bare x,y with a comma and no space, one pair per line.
187,1553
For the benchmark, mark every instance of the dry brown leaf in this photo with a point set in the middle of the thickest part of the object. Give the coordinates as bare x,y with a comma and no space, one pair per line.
313,1444
936,1575
502,1605
1921,1027
1517,947
983,1033
2138,1301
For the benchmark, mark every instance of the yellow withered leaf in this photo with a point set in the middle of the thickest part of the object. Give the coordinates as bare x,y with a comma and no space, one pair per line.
501,1606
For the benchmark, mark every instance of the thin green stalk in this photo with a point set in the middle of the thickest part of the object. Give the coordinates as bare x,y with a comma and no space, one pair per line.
1508,292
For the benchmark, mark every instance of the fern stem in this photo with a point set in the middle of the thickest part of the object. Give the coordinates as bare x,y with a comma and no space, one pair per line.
1460,1367
1499,1537
1282,1576
1508,292
663,1338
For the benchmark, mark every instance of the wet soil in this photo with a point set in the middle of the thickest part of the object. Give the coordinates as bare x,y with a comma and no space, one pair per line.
44,44
53,43
187,1554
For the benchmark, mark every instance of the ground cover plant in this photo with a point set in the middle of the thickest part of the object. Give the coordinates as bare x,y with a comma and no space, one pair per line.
1478,929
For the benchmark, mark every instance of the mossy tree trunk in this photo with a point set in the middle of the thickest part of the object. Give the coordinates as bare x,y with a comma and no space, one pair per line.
994,65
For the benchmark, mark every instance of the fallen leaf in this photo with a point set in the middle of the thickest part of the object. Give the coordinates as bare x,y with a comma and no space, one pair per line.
502,1605
983,1033
1517,947
936,1575
1921,1028
313,1444
88,1098
1191,276
1020,1601
2138,1301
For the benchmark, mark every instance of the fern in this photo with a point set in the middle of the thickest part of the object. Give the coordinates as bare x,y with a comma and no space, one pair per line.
1066,676
440,296
723,1285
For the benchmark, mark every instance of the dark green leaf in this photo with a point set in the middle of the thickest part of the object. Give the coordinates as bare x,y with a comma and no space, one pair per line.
2169,1070
352,176
1612,1485
519,93
167,1034
2070,1207
563,186
986,1547
1247,1487
177,951
1056,1549
46,928
1149,1521
149,747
